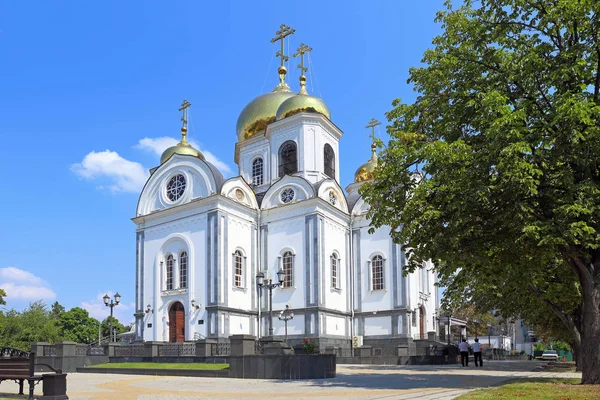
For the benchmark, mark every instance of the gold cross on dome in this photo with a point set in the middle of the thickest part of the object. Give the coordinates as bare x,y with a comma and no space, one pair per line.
184,107
302,50
372,124
283,31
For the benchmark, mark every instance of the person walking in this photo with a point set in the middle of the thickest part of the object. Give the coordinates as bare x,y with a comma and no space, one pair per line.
463,347
477,353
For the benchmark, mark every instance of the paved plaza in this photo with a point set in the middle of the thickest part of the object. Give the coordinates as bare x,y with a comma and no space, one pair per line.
353,382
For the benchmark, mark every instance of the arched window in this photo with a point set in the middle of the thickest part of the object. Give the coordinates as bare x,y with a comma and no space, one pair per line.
183,263
335,271
377,272
257,172
170,262
329,160
238,269
288,159
288,269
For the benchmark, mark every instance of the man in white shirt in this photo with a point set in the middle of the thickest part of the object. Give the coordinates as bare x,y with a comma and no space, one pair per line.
477,353
463,347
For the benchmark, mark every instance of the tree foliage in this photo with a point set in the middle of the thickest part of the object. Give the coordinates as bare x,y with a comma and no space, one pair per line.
76,325
2,296
20,329
493,172
36,323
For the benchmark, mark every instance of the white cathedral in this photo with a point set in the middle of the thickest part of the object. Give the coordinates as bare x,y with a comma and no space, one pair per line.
202,240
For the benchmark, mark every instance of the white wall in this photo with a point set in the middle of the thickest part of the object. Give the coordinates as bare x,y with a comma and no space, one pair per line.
375,326
287,234
335,241
239,238
370,245
335,325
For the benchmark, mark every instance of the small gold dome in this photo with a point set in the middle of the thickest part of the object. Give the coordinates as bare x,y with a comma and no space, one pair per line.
261,112
366,172
182,148
302,103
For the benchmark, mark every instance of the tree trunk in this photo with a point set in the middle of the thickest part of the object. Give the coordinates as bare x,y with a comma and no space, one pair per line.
576,350
590,335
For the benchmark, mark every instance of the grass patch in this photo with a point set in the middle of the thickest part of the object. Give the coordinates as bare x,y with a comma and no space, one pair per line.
539,389
149,365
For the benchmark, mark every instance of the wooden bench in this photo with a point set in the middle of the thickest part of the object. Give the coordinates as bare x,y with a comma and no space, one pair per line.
19,366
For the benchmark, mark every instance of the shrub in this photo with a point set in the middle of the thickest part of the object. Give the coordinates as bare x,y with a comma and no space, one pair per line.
310,346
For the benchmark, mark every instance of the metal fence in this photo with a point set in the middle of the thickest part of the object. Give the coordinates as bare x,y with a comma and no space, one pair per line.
258,347
220,349
343,352
49,351
429,351
384,351
90,350
130,350
177,349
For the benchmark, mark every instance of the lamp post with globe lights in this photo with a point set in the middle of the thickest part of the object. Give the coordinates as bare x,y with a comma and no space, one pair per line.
268,284
108,302
285,316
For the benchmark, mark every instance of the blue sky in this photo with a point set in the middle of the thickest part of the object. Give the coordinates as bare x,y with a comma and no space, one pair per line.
89,91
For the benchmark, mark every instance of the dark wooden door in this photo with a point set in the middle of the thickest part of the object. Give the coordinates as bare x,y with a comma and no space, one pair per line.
176,323
422,321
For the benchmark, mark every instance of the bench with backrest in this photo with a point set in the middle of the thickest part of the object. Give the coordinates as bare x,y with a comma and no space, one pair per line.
19,366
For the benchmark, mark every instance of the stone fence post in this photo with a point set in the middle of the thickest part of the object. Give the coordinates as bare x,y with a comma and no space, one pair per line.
242,345
151,349
363,351
204,347
38,348
66,349
112,349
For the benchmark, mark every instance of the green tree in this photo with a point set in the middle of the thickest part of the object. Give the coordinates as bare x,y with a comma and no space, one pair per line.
493,171
2,296
117,327
56,310
20,329
77,325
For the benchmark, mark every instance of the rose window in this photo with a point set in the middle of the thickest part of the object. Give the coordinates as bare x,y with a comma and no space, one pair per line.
176,187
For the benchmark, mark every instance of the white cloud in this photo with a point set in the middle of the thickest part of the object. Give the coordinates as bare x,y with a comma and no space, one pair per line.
96,308
123,175
211,158
156,145
23,285
160,144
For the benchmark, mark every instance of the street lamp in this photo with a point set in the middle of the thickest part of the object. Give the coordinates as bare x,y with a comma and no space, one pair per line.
269,285
285,316
108,302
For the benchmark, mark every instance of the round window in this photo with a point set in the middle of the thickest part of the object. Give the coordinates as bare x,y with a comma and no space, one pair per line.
287,195
176,187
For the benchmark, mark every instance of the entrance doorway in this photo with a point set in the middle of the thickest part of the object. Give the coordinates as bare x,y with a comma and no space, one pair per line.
176,323
422,322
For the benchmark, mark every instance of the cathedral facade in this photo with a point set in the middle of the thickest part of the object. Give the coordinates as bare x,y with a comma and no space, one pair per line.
202,240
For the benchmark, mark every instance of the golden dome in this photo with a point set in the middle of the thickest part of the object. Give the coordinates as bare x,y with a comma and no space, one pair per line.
261,112
302,103
182,148
366,171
